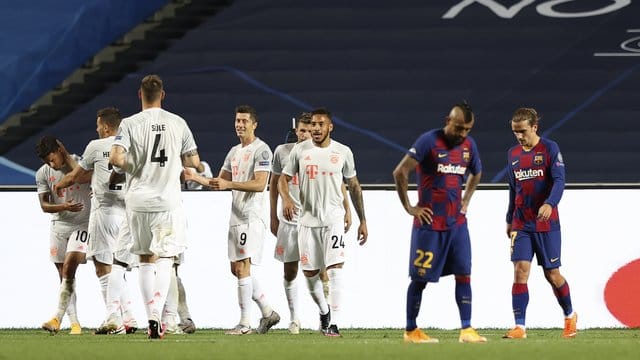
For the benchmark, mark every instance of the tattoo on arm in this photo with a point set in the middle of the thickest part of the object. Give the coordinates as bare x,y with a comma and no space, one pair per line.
355,191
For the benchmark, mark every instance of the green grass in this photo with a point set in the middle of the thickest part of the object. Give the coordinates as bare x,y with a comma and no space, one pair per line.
607,344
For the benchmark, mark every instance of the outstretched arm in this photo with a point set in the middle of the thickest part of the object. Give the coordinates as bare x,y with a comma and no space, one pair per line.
77,175
257,184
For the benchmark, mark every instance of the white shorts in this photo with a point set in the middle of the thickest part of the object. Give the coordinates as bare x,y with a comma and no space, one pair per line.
246,241
65,238
287,243
122,251
321,246
104,226
158,233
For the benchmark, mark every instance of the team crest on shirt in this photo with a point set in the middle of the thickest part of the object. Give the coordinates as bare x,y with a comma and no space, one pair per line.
466,155
538,159
334,158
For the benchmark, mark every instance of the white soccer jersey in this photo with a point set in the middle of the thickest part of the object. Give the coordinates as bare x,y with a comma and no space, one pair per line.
154,140
46,177
96,158
320,173
280,160
192,185
243,163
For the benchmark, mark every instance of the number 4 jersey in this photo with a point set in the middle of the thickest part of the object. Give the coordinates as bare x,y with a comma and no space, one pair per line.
154,140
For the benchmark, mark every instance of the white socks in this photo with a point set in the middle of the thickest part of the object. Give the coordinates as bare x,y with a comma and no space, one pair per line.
315,289
146,278
245,289
104,284
164,268
114,288
66,291
291,291
183,309
258,296
335,293
170,313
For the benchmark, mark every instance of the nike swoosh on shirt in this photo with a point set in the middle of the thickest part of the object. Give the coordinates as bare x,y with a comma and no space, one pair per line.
515,162
442,155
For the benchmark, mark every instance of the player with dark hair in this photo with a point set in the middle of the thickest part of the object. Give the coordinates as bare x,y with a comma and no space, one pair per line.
440,243
286,231
245,171
69,224
321,166
536,183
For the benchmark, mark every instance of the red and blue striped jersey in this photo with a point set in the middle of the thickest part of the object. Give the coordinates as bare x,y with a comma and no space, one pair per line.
440,173
536,177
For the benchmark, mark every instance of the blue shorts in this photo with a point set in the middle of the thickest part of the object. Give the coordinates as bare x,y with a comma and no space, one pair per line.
439,253
546,246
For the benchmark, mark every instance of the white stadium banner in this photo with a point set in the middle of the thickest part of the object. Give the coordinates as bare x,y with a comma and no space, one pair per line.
597,243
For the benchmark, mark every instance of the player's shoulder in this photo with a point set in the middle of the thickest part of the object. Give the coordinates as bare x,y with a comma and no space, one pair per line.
260,144
43,170
179,120
471,141
336,145
514,150
283,148
550,144
430,136
100,143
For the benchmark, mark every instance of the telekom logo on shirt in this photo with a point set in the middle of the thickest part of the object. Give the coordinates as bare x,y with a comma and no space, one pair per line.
311,171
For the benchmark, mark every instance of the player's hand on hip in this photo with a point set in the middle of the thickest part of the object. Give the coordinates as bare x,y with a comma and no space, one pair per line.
424,214
509,231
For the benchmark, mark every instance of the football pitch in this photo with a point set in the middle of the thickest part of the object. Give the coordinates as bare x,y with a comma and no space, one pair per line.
367,344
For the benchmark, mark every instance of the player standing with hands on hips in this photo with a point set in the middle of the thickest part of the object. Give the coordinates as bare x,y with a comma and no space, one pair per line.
440,243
